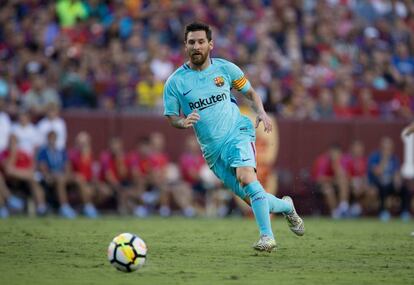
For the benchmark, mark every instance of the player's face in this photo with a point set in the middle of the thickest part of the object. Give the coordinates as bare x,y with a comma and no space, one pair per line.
198,47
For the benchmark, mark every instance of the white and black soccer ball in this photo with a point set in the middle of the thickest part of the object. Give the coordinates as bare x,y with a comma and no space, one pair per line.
127,252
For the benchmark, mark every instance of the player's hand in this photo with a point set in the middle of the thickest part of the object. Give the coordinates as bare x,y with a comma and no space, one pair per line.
191,119
267,122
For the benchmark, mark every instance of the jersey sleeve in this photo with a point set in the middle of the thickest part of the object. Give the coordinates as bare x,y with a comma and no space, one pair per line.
237,77
171,102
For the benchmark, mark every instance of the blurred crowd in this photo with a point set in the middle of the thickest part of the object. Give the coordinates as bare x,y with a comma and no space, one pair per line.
307,59
353,183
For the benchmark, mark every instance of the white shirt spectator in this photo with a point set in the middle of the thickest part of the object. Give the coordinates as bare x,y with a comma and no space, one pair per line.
161,69
57,125
5,128
27,136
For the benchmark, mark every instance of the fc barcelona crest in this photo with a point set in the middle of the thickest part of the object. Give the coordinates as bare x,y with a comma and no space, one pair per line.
219,81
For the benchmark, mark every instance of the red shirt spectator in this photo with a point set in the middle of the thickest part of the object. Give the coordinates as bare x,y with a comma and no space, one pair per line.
190,165
356,161
159,160
23,160
153,161
356,166
323,166
366,104
81,164
117,167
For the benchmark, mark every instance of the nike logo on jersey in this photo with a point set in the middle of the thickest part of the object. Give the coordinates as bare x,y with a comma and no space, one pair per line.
185,93
246,159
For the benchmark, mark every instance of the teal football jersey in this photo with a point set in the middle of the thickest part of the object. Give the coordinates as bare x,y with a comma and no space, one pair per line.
208,92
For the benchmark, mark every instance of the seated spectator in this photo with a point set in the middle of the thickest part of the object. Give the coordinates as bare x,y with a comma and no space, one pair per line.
115,172
147,197
26,133
384,175
5,125
52,122
39,96
7,200
191,165
83,176
210,197
165,176
362,195
19,172
54,169
329,172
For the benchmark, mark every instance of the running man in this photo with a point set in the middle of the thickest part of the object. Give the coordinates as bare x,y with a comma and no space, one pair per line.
200,90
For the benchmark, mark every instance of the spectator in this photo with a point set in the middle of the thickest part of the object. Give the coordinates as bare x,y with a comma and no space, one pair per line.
160,65
191,165
363,196
210,198
324,107
83,174
403,61
19,171
343,105
76,90
116,173
367,106
70,12
329,172
140,165
26,134
7,200
54,168
39,96
149,92
5,125
52,122
165,176
383,174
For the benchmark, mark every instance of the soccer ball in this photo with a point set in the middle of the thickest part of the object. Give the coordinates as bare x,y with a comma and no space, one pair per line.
127,252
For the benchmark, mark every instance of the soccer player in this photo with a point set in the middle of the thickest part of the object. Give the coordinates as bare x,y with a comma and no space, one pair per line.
200,90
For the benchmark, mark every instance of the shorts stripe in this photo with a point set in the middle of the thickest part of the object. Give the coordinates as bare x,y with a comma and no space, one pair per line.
254,149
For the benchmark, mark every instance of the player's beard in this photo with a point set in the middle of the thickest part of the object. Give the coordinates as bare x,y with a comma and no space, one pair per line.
198,58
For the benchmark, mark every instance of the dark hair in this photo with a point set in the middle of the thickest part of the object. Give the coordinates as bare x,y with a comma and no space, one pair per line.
196,26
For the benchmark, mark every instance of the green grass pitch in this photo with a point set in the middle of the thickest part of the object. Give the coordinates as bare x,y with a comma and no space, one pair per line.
207,251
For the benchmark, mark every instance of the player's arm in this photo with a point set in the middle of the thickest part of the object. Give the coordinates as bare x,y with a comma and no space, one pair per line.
184,123
172,108
257,106
240,83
